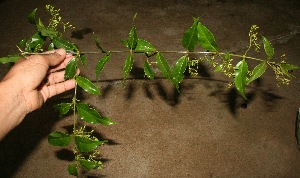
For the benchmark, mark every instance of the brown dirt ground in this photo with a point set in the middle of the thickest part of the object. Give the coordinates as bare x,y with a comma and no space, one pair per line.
203,131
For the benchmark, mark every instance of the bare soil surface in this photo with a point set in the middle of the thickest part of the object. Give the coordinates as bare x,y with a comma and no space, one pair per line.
205,130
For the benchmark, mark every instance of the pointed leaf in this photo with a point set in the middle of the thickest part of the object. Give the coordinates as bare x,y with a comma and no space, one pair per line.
132,39
268,47
128,66
59,139
125,43
71,68
35,41
61,43
227,56
22,43
190,39
148,70
63,108
83,59
218,68
85,145
40,23
87,85
47,31
178,70
288,68
143,45
258,71
96,40
92,116
163,66
87,113
31,17
88,165
240,74
72,170
100,65
9,59
106,121
206,38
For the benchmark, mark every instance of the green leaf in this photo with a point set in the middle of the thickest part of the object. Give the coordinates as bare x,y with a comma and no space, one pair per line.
96,40
83,59
128,66
178,70
22,43
88,165
9,59
72,170
163,66
206,38
148,70
240,74
143,45
86,144
257,72
31,17
92,116
51,47
59,139
40,23
288,68
87,85
125,43
227,56
63,108
190,39
268,47
100,65
132,39
36,40
61,43
71,68
47,32
218,68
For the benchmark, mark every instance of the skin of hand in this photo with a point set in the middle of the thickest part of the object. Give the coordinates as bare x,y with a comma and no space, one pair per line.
29,83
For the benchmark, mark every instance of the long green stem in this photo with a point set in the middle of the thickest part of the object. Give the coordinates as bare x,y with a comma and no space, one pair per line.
74,108
154,52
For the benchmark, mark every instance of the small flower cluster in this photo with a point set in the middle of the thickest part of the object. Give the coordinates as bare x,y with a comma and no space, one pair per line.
193,66
56,19
253,38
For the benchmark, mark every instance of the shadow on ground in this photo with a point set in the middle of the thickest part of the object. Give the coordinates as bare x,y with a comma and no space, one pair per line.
205,130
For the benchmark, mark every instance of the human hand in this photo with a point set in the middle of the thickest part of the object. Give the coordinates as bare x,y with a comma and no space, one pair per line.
39,77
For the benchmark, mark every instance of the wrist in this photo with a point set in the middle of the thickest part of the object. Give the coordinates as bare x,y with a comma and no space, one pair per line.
12,107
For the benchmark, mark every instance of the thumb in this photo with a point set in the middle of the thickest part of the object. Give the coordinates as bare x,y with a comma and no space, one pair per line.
55,57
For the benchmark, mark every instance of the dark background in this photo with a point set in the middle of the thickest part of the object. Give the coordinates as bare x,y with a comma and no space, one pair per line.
205,130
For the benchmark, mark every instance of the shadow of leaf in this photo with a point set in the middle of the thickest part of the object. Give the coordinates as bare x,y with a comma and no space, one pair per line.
170,96
79,34
65,154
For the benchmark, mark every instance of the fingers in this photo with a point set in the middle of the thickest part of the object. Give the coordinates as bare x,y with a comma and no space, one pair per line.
57,88
55,57
56,77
